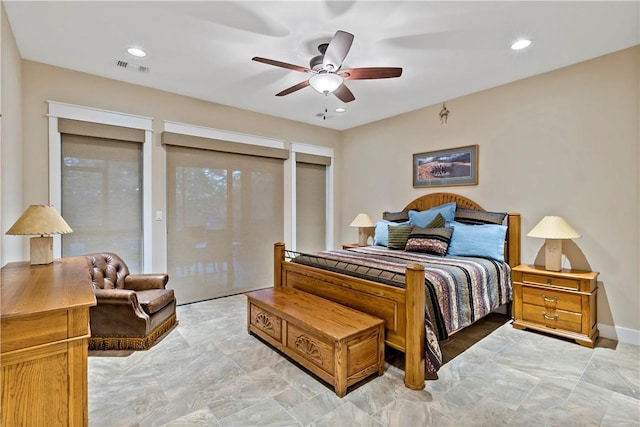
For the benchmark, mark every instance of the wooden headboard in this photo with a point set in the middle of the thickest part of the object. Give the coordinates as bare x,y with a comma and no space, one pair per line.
429,201
513,240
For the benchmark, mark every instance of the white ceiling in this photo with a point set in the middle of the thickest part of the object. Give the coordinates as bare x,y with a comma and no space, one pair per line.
203,49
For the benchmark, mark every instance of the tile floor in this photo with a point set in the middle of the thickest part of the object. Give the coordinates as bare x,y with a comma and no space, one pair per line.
210,371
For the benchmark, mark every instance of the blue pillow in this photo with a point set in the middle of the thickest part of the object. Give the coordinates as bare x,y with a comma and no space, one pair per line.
423,218
485,241
381,236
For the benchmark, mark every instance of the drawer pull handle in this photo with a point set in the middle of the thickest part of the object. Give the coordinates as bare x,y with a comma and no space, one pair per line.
545,299
548,281
546,316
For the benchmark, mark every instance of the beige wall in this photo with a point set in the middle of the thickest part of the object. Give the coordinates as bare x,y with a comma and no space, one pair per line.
43,82
562,143
11,191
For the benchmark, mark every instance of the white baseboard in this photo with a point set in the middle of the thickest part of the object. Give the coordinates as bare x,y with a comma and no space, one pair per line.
620,334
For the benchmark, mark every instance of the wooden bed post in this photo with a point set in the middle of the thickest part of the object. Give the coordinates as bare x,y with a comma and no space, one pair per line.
414,358
513,249
278,259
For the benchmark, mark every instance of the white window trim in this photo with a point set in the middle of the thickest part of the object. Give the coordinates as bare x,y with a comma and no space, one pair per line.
297,147
222,135
60,110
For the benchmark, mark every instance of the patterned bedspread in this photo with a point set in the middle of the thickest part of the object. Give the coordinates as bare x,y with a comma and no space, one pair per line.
459,290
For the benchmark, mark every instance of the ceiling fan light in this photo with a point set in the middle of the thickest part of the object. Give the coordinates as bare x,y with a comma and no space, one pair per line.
325,82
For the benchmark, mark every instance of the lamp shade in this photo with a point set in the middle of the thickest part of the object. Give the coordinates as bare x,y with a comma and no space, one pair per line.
362,220
325,82
553,227
40,219
365,228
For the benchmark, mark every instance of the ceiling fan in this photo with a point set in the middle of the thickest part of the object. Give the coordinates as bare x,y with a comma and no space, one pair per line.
327,74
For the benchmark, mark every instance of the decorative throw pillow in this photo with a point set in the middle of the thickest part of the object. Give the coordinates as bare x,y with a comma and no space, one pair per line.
486,240
438,222
402,216
473,217
381,233
433,241
423,218
398,236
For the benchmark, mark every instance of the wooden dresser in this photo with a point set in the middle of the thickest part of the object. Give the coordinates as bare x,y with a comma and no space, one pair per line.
43,343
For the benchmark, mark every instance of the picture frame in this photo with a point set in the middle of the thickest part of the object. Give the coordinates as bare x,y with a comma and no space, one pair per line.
453,166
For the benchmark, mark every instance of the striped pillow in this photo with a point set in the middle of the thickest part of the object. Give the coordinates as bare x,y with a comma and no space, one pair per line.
473,217
402,216
433,241
398,236
437,222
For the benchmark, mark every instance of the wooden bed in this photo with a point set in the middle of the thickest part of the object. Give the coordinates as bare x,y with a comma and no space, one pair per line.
401,309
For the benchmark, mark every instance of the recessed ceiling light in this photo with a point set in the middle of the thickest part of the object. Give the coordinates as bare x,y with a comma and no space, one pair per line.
340,110
137,52
521,44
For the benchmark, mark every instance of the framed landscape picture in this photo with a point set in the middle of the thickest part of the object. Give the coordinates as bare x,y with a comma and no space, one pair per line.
454,166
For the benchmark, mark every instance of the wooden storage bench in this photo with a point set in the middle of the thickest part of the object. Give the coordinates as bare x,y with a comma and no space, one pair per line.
338,344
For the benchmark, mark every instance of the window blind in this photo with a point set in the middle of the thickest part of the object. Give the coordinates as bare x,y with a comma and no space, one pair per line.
311,206
189,141
99,130
224,213
102,197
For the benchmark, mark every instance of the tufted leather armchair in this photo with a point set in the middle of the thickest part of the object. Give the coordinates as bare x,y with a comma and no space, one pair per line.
133,310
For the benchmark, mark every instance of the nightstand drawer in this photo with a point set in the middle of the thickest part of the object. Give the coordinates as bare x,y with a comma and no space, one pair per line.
557,282
551,299
555,319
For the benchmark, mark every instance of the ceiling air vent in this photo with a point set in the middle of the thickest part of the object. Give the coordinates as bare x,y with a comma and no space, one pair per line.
124,64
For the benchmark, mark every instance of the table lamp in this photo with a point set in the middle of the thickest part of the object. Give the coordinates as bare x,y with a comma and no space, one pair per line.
43,220
554,229
364,224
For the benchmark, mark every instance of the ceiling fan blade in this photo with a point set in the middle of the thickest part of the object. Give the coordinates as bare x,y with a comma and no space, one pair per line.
371,73
281,64
344,94
337,50
294,88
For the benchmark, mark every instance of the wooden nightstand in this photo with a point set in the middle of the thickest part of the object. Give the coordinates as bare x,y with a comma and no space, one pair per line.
557,302
350,245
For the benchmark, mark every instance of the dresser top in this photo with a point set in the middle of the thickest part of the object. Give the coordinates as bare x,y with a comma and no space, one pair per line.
565,272
28,289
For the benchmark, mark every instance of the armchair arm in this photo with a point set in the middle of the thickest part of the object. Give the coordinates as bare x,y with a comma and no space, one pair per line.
140,282
117,313
116,296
